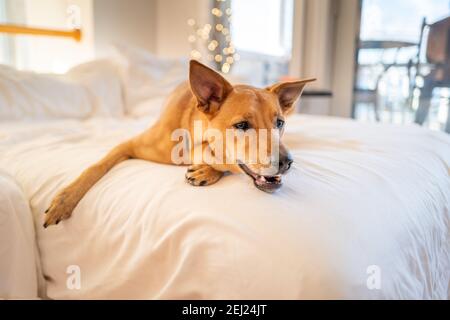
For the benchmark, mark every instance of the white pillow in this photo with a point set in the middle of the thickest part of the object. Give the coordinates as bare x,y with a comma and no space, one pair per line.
152,107
148,79
103,81
91,89
27,95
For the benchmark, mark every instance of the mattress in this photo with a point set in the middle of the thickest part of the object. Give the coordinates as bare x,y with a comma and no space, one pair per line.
363,213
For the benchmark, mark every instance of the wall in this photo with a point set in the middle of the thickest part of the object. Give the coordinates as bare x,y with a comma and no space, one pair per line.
346,34
171,24
323,47
124,21
298,38
159,26
48,54
324,40
318,48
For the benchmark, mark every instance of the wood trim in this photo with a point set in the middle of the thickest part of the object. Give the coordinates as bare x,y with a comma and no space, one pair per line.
18,29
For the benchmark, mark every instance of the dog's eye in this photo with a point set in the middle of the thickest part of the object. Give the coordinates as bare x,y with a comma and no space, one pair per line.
243,125
280,123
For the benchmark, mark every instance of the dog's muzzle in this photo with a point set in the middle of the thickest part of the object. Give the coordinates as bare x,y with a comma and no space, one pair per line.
270,183
263,182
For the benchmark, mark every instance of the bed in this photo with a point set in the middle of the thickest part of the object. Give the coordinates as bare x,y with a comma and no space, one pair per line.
363,214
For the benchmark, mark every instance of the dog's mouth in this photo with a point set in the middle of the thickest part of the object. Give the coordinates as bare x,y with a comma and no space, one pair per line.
264,183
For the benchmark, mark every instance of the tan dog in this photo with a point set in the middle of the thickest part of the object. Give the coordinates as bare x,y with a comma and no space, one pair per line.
213,101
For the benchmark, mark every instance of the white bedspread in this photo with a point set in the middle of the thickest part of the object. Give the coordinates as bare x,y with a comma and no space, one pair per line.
363,203
19,257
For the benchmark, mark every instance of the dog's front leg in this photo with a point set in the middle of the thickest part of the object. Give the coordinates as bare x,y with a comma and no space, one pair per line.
202,175
67,199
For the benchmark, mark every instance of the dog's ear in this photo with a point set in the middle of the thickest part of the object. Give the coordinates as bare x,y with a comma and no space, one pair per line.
289,92
209,87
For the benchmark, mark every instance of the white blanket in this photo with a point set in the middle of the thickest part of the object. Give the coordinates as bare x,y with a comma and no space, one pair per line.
364,213
20,272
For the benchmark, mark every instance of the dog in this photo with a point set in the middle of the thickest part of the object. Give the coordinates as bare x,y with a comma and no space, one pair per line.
210,100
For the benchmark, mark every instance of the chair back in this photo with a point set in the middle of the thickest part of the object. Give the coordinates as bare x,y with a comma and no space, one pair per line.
438,42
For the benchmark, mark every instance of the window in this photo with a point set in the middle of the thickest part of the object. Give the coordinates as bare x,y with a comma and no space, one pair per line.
398,20
263,26
387,88
262,34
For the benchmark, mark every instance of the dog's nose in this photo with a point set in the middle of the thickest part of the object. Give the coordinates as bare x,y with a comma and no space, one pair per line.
285,163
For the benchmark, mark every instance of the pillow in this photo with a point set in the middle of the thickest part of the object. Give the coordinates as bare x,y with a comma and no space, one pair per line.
91,89
148,79
28,95
102,79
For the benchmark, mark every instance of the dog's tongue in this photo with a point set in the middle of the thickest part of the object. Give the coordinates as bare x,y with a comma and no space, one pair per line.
268,183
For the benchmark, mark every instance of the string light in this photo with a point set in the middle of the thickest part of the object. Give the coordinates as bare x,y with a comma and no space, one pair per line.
226,67
211,46
195,54
217,12
216,38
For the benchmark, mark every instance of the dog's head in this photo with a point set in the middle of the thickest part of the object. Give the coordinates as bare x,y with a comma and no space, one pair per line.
256,119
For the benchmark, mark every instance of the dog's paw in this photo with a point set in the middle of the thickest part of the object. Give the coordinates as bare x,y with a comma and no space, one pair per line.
202,175
60,209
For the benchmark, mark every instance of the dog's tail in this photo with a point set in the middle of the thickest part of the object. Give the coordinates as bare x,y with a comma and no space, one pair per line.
64,203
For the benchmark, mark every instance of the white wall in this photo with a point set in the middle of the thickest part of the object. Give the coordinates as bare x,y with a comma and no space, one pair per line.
318,49
323,47
49,54
324,40
346,34
298,38
131,22
159,26
171,24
